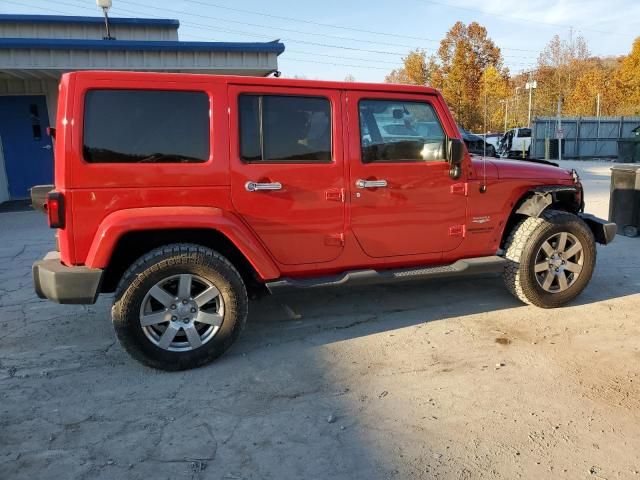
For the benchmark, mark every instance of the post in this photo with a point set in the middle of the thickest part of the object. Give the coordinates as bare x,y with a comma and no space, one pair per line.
559,128
595,150
517,112
506,103
531,84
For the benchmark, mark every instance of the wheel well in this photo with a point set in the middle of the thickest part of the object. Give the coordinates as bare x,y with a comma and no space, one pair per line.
534,202
133,245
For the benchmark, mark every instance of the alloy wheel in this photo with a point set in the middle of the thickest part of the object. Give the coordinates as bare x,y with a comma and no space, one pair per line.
181,312
559,262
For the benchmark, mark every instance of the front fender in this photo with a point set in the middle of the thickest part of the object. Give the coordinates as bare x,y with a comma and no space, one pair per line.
118,223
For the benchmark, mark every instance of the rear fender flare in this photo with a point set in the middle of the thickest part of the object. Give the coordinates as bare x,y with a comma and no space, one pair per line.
116,224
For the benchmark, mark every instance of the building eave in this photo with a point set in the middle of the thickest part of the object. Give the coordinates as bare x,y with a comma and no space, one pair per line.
71,19
139,45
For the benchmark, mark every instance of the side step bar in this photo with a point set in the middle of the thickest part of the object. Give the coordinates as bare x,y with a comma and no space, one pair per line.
461,268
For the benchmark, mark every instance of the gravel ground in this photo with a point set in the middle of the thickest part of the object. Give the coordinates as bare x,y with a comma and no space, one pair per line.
446,379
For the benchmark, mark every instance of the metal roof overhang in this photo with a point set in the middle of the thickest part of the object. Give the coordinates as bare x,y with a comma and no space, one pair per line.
26,58
70,20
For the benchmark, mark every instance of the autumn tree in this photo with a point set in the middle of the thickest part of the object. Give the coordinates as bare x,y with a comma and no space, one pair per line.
627,80
457,70
464,54
416,69
494,89
595,81
560,65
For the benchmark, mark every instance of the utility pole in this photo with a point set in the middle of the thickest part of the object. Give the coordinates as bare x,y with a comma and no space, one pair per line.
530,85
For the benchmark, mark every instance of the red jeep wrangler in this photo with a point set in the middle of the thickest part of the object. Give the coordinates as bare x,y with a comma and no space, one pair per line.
181,193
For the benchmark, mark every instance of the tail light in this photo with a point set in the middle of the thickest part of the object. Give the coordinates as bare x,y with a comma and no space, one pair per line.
55,209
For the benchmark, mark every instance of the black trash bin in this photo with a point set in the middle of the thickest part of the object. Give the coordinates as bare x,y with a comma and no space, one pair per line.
624,202
629,150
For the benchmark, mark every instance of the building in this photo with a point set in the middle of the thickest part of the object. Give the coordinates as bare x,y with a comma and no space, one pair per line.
35,50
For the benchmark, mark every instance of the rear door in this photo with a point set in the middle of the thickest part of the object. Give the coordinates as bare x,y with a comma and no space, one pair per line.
403,201
287,170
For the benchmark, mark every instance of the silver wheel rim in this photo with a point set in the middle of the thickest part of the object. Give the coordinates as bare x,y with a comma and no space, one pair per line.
559,262
181,313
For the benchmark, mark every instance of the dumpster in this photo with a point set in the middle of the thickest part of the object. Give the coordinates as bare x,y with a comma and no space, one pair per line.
624,201
629,148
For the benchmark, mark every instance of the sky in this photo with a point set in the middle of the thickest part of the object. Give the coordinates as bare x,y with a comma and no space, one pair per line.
331,39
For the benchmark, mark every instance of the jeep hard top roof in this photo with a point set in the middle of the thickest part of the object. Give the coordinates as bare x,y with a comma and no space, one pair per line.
114,76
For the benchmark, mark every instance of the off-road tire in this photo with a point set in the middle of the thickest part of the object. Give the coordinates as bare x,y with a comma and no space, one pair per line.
170,260
522,246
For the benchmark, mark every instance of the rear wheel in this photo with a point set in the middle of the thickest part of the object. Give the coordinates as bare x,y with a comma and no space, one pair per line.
550,259
179,307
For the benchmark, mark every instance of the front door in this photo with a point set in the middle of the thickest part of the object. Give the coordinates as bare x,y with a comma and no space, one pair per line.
287,171
403,201
28,153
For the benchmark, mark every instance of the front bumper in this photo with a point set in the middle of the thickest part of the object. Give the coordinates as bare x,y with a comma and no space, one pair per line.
62,284
603,231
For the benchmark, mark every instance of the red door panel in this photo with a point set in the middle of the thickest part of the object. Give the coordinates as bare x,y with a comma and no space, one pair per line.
301,222
421,209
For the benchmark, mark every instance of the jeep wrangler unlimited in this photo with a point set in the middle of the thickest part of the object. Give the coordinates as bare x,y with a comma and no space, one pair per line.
183,193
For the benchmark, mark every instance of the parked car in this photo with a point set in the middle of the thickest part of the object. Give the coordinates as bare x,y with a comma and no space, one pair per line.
492,139
183,195
476,144
516,143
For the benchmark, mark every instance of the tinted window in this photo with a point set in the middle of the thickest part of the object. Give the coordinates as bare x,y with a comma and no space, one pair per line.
399,131
285,128
524,132
146,126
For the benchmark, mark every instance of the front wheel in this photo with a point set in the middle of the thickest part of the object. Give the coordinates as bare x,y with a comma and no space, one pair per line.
550,259
179,306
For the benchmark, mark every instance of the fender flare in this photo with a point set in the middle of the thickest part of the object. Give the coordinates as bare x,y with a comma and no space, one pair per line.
118,223
539,198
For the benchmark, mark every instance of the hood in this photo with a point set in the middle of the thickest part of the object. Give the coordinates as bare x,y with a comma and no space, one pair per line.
510,169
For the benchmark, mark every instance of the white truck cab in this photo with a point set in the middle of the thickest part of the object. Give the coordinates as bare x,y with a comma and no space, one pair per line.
516,143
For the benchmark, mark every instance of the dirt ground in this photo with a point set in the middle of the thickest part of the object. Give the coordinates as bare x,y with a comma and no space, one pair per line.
444,380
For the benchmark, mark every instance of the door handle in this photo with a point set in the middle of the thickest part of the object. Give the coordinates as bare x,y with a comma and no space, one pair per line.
371,183
47,147
257,186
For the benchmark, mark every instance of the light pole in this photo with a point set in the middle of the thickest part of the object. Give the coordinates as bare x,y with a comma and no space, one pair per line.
105,5
530,85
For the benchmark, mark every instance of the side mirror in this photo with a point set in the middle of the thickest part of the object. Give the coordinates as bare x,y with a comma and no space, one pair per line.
455,154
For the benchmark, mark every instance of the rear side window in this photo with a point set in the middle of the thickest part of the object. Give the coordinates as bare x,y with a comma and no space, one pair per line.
146,126
524,132
400,131
275,128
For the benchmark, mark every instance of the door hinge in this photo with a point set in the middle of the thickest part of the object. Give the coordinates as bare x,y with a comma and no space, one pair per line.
460,189
457,231
334,240
334,195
